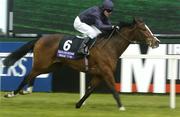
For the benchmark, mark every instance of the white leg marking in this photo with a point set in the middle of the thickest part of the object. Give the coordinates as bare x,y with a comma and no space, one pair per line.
122,108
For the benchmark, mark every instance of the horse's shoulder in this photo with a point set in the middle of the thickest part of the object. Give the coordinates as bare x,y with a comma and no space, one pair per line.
104,35
52,36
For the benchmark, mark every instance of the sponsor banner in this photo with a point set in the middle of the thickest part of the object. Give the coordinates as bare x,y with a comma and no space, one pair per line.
11,77
148,75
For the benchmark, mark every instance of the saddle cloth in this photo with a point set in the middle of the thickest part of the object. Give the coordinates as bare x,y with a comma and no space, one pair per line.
69,46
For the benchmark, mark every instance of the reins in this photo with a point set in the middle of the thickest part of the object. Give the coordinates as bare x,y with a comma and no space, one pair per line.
109,37
130,41
133,42
123,37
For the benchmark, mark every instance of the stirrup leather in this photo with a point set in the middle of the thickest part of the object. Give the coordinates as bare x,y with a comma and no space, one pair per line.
83,49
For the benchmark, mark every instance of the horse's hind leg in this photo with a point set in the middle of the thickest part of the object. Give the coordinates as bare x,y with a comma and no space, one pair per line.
32,75
26,80
30,84
29,87
93,84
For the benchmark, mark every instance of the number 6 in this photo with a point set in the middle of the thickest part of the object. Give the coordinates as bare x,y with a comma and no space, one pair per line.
67,45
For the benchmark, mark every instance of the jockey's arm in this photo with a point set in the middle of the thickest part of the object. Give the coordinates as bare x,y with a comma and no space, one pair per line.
100,25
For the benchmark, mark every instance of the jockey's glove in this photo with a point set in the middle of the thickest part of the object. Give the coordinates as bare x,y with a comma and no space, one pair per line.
115,27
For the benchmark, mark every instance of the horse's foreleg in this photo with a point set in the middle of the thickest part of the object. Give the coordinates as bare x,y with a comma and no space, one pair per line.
93,84
109,79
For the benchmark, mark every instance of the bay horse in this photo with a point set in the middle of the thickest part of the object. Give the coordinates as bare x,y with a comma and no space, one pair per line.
103,57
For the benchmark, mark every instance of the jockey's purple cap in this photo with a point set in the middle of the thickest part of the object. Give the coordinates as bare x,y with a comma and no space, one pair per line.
108,4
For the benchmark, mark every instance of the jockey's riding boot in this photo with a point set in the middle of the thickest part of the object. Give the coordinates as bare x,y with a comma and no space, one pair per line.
83,49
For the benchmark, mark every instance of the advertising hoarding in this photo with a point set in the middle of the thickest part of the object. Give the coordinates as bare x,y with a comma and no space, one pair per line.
12,76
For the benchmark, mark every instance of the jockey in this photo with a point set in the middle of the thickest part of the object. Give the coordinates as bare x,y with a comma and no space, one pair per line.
92,22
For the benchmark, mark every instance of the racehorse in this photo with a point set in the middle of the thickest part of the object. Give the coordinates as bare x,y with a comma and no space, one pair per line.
102,59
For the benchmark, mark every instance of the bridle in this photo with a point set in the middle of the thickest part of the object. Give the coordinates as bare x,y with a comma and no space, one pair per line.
135,42
125,38
130,41
116,30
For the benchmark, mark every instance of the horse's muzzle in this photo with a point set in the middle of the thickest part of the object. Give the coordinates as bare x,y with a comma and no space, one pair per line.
154,42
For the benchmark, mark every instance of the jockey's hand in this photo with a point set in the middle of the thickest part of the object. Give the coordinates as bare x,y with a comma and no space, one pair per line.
115,27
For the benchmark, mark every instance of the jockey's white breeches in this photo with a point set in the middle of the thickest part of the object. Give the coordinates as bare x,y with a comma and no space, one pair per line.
90,31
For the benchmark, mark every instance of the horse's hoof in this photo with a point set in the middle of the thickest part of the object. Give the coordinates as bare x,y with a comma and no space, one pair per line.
122,108
9,95
78,106
23,92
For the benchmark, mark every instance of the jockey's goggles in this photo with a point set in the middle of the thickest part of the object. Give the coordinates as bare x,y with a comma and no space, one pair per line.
109,10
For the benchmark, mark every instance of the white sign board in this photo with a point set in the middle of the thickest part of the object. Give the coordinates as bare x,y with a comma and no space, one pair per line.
3,16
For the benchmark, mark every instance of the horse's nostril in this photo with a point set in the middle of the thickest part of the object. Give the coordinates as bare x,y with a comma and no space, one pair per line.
156,45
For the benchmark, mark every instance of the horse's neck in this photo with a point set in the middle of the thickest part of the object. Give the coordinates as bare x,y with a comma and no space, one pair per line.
120,43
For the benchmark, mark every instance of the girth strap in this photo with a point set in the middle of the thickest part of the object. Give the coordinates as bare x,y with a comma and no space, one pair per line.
86,63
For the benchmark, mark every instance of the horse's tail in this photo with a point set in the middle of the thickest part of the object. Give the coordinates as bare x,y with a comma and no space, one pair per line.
19,53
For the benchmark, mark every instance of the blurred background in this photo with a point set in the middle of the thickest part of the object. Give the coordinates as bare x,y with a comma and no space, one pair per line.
54,16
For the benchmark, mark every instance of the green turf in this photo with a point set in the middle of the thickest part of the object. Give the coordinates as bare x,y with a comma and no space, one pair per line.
98,105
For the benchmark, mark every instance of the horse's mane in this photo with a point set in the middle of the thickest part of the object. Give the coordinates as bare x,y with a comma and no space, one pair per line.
121,25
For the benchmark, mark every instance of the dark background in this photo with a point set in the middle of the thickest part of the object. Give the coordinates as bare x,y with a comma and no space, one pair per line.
57,16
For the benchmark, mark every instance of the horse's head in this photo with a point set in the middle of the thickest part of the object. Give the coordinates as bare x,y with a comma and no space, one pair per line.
144,34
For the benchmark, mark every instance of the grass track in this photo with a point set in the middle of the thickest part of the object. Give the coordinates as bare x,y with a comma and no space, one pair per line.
98,105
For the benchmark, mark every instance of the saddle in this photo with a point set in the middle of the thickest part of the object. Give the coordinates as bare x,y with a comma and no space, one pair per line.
69,46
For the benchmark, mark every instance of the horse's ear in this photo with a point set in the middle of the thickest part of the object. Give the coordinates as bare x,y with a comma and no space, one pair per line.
138,20
134,21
